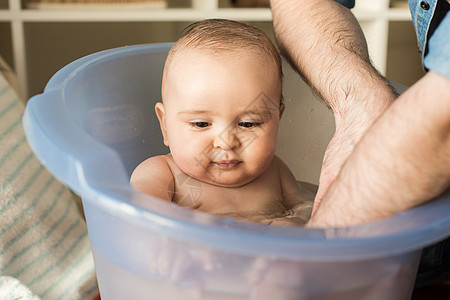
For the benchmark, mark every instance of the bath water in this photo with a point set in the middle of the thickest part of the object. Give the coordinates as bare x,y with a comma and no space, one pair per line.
284,281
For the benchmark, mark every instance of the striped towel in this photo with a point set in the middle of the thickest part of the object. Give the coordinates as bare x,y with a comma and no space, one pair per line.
44,247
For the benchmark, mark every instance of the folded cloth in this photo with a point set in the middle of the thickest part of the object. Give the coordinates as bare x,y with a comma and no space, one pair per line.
44,246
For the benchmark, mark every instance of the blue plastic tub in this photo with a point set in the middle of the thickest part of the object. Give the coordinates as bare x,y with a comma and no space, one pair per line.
95,122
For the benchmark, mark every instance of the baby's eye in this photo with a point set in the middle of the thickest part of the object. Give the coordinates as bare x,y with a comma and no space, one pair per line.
199,124
245,124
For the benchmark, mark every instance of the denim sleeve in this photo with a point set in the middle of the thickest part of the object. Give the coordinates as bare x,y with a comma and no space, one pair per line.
438,57
347,3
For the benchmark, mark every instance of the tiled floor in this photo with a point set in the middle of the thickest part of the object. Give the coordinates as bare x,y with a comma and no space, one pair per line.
434,292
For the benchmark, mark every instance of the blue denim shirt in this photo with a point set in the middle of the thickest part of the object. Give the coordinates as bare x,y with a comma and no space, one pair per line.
347,3
421,17
435,49
437,56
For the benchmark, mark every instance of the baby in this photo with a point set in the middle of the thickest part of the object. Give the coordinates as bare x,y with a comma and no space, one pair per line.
220,112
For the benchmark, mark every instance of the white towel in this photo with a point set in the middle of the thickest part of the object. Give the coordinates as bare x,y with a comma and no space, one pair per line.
44,246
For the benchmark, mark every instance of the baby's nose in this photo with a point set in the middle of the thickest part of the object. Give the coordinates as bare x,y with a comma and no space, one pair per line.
227,140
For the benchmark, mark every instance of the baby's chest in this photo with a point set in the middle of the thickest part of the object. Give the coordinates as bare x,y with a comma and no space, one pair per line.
251,199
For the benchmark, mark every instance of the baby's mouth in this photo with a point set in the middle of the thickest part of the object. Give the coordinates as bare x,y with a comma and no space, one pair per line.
228,164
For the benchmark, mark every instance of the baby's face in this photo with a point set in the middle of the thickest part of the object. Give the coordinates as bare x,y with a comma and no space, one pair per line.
220,116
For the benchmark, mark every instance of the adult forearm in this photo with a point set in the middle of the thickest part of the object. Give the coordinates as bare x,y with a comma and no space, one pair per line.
402,161
324,41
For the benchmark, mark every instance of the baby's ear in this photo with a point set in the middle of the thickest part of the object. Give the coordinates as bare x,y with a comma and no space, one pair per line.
161,114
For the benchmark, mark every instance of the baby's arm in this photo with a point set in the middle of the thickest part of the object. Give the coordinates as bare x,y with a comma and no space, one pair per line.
297,197
154,177
165,257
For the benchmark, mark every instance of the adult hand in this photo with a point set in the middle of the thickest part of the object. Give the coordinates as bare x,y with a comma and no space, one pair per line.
335,156
351,125
402,160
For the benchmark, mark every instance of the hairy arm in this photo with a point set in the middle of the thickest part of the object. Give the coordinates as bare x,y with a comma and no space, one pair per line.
324,42
154,177
402,161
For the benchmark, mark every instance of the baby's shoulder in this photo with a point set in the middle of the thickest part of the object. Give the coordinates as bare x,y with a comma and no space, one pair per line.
153,165
158,160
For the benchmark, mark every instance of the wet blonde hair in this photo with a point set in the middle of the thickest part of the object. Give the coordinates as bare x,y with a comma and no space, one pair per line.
219,36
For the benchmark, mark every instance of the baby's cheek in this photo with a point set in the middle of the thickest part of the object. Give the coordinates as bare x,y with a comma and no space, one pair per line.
191,163
264,151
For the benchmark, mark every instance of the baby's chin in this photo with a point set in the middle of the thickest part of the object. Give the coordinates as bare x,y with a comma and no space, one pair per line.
227,181
233,177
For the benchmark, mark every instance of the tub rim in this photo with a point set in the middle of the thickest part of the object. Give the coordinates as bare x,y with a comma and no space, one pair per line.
344,243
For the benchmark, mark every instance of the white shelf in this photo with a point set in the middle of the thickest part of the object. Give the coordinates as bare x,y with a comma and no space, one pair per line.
374,17
132,14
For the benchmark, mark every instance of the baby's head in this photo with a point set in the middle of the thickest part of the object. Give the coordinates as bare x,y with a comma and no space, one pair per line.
222,102
221,37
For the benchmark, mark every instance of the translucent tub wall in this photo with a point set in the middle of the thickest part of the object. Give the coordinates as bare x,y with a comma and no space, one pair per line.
95,122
